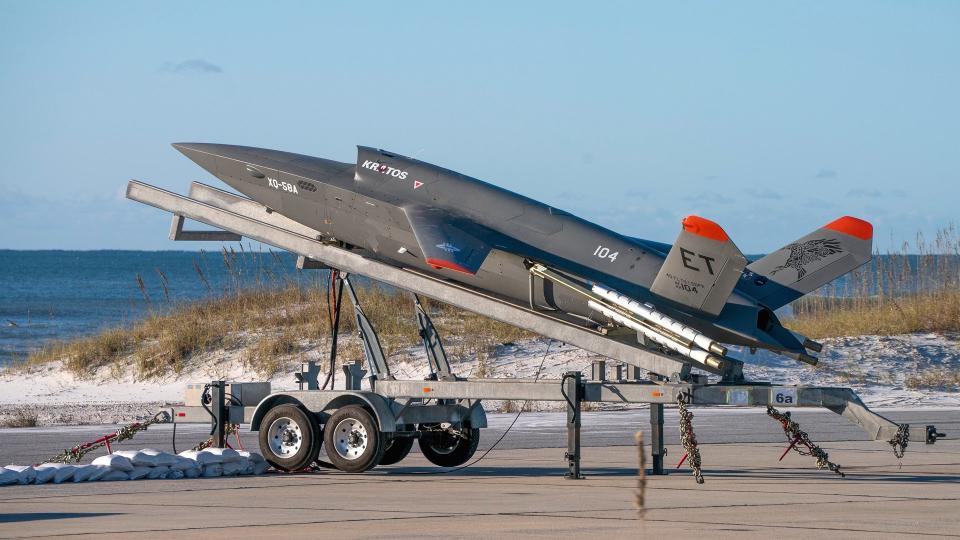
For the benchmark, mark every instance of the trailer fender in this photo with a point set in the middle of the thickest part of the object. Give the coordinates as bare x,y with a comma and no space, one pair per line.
319,401
375,402
268,403
478,416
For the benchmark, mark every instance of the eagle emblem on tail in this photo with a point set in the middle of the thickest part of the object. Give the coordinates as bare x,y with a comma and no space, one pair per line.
804,253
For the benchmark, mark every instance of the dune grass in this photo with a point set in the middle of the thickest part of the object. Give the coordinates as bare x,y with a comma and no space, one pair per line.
21,417
914,289
271,326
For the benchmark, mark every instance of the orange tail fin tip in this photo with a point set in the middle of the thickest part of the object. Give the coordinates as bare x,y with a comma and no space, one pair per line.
852,226
704,227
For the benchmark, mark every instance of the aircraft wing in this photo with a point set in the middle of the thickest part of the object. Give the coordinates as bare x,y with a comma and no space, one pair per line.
444,243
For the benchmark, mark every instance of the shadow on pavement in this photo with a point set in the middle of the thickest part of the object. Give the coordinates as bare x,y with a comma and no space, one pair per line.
43,516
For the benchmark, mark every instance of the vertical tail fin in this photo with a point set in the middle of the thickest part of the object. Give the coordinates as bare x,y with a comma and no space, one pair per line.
702,268
814,260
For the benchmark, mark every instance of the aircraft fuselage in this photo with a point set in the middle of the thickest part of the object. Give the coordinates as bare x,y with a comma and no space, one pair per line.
366,205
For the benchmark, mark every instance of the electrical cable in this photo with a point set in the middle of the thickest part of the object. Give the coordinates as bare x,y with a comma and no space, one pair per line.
563,390
206,398
334,299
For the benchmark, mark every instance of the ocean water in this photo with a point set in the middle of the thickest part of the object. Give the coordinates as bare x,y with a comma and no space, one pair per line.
49,295
58,295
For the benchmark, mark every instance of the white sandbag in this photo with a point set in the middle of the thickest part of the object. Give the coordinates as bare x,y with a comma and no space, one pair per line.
175,474
183,463
114,475
211,470
140,472
64,473
90,473
99,471
139,459
162,458
202,458
8,477
115,462
44,473
82,473
234,468
25,473
53,472
260,467
192,473
226,454
253,456
158,472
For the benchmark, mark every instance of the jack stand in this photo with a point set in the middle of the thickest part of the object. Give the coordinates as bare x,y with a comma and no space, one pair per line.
220,413
656,436
573,391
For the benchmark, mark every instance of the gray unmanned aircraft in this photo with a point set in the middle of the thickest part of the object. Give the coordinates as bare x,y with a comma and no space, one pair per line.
691,297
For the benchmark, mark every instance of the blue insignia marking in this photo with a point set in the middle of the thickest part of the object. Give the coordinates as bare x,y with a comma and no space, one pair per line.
448,247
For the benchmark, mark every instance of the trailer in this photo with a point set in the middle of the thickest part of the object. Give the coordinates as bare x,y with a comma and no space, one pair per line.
363,428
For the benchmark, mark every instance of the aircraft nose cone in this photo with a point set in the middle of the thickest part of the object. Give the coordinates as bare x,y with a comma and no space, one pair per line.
202,154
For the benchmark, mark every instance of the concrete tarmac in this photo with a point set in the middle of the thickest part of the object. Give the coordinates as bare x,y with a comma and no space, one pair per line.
521,492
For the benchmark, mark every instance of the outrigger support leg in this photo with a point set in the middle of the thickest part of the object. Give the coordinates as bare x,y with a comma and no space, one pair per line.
436,355
572,385
656,438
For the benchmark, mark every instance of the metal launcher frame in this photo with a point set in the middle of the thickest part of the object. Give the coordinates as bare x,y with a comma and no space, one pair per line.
448,397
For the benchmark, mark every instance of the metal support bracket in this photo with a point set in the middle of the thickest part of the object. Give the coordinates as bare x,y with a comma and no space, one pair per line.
306,263
379,369
354,373
436,355
177,233
309,375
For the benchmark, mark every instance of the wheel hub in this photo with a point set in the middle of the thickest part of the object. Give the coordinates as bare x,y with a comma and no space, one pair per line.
350,439
285,437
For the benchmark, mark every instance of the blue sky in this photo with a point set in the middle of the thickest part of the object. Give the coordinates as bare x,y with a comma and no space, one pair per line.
771,118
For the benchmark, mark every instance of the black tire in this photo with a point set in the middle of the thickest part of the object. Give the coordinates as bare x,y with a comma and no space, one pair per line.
446,450
353,438
291,428
397,449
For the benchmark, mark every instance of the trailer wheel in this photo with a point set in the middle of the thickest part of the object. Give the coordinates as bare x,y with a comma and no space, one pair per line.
447,446
397,449
353,439
289,438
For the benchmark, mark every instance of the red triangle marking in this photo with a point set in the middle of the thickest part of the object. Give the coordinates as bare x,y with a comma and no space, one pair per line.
416,184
